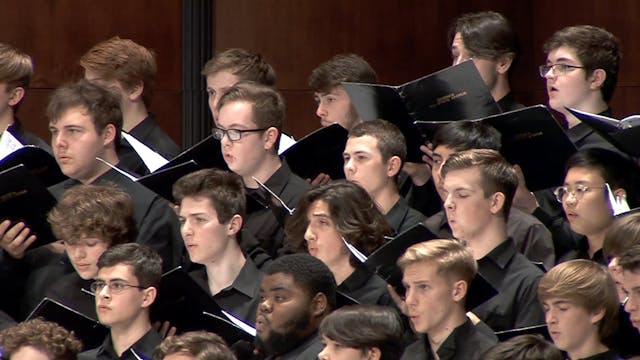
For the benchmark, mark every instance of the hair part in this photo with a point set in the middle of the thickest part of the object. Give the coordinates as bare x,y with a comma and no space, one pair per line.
595,47
245,64
341,68
365,327
586,284
104,212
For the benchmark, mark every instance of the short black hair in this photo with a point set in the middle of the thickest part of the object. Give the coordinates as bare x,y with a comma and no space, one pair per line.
467,135
308,272
146,263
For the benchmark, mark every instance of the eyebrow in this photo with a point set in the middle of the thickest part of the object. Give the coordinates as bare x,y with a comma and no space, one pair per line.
321,214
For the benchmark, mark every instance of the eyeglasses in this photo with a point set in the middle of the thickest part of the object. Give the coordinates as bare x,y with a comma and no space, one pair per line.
232,134
557,69
115,286
577,191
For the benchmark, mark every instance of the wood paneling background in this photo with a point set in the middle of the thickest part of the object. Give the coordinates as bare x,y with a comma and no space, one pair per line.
401,39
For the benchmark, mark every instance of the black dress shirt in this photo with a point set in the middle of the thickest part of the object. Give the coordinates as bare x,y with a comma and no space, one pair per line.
465,342
401,217
142,349
516,279
263,223
307,350
607,355
241,298
366,287
149,133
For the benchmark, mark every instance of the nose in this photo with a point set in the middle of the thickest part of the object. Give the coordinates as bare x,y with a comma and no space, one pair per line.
309,234
103,293
264,307
321,110
348,166
323,354
78,252
448,202
549,317
57,141
408,297
570,199
630,304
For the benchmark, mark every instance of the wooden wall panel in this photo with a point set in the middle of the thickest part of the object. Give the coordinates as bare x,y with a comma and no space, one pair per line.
57,33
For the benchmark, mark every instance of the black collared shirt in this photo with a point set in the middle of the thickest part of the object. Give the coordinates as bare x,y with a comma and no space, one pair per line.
607,355
531,237
241,298
149,133
157,223
466,342
582,252
366,287
401,217
142,349
307,350
263,224
516,279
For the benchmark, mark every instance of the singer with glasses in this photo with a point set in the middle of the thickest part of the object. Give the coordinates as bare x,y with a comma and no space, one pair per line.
598,184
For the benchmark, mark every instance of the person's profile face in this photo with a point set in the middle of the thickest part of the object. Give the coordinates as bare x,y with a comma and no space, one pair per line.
204,237
284,313
429,297
364,166
631,285
573,89
322,236
76,143
217,85
571,326
468,209
440,154
84,254
586,204
334,107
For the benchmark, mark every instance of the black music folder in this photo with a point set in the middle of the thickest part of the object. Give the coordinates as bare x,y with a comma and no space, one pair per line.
188,307
86,329
531,138
318,152
207,154
24,198
161,181
623,134
454,93
39,162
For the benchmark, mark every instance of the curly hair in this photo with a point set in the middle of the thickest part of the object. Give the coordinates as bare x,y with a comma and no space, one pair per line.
103,212
356,216
45,336
201,345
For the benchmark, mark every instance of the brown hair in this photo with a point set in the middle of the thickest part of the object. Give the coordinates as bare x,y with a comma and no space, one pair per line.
103,212
356,216
246,65
390,141
224,190
341,68
524,347
622,235
266,102
16,69
201,345
125,61
48,337
146,263
485,34
101,104
497,174
595,47
587,284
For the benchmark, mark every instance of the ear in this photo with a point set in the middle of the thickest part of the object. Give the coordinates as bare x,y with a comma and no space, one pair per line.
459,290
109,134
16,95
394,165
150,294
373,354
597,78
135,93
497,202
597,315
235,224
503,63
319,305
270,138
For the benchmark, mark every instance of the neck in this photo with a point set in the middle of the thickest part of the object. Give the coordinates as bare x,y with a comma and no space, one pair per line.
6,119
501,89
494,234
594,106
267,168
386,198
124,336
341,270
440,333
132,114
592,346
109,156
223,271
595,242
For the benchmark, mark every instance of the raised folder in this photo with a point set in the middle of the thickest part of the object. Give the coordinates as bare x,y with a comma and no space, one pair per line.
24,198
454,93
187,306
39,162
206,154
86,329
623,134
161,181
531,138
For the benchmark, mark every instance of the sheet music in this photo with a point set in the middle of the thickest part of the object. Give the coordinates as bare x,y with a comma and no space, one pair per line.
152,160
8,144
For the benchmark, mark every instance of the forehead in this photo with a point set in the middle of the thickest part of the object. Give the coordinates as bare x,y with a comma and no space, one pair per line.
281,282
118,271
563,54
196,204
318,207
631,279
424,270
366,143
77,116
236,113
583,174
222,79
468,178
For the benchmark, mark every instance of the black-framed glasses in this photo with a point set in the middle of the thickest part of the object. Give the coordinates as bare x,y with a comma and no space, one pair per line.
115,286
557,69
577,191
232,134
